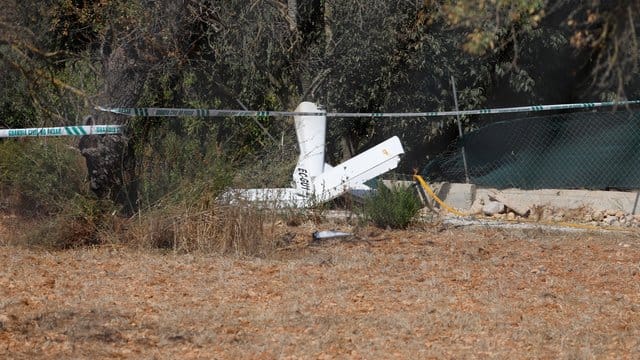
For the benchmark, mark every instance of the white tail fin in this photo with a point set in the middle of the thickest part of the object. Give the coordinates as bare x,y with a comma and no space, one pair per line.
310,131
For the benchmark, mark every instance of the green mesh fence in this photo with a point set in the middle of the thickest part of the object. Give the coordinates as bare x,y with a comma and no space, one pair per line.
595,150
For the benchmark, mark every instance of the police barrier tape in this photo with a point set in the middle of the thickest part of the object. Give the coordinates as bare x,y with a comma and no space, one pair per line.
62,131
178,112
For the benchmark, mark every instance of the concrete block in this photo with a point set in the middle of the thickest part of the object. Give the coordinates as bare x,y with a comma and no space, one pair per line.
462,196
459,196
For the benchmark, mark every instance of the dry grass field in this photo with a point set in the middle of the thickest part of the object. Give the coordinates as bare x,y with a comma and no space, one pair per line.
416,294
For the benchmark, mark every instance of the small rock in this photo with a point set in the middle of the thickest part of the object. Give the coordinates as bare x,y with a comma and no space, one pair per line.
539,270
4,321
511,216
610,220
611,212
636,217
620,214
493,207
535,213
598,216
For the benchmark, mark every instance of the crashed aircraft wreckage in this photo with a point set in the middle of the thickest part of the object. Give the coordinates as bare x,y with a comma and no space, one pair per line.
315,181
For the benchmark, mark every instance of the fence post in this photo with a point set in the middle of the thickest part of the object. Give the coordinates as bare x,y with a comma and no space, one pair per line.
464,155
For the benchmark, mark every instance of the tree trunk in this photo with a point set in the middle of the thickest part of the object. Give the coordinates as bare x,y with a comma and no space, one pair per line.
111,160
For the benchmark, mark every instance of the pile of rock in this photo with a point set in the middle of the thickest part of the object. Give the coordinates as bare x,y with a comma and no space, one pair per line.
540,206
611,217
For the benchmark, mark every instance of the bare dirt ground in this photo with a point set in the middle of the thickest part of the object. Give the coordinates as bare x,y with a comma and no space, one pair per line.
390,294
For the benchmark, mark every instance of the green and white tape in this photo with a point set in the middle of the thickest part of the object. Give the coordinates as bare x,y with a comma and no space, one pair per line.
177,112
62,131
171,112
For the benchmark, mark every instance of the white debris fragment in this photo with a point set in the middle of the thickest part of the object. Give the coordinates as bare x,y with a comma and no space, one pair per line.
329,234
493,207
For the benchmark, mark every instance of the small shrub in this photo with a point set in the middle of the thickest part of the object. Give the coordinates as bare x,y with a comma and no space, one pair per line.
81,222
391,207
40,176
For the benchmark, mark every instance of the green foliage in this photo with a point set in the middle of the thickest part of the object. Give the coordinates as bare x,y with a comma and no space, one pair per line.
46,180
178,157
16,110
489,21
392,207
40,176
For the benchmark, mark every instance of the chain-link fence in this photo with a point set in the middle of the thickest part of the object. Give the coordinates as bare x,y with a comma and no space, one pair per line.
594,150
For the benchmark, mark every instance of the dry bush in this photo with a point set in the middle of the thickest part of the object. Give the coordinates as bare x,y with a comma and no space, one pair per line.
60,232
225,229
81,222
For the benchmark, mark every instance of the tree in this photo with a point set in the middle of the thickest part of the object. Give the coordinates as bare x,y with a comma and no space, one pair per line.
347,55
608,31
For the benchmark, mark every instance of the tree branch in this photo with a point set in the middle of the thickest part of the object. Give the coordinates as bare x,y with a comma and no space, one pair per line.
41,73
